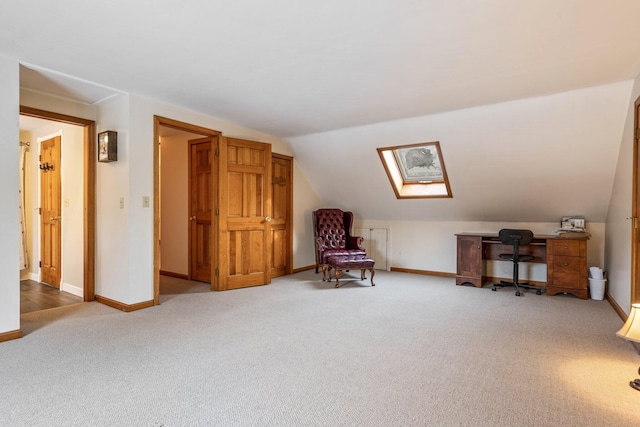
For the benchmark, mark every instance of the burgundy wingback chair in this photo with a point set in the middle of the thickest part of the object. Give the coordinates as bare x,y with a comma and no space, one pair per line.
332,234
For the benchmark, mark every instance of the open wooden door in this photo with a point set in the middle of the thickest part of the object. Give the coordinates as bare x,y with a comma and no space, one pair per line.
50,211
282,209
244,198
201,201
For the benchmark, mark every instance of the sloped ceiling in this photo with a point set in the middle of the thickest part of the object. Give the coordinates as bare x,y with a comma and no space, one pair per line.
528,99
290,67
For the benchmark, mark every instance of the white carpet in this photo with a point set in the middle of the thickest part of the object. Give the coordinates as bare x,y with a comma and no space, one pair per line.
411,351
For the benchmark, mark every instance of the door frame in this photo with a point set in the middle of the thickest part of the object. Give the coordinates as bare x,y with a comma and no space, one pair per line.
159,121
89,191
635,208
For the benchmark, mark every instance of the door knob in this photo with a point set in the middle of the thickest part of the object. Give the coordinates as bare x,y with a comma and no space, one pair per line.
268,219
192,218
55,218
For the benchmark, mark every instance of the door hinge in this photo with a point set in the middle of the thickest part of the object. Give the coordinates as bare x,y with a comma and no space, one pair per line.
217,151
217,212
217,272
637,133
40,264
39,211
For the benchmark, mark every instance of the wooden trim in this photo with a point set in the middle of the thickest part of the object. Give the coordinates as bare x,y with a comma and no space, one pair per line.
11,335
122,306
56,117
156,210
89,191
308,267
425,272
89,212
616,307
635,287
172,274
527,281
186,127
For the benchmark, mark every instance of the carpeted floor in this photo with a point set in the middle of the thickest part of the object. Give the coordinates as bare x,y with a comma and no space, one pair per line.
411,351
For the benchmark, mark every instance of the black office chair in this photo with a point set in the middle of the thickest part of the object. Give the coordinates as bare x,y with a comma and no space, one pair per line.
516,238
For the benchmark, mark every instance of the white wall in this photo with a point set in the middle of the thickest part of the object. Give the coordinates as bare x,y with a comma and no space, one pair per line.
619,232
112,221
533,160
431,245
9,221
174,203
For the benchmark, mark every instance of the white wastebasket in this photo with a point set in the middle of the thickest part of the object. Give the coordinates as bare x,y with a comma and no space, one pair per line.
596,288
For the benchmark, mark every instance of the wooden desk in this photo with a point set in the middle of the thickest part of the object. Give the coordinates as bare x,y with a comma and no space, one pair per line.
565,256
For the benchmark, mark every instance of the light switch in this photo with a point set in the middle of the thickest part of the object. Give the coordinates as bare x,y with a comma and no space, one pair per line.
145,201
121,202
66,203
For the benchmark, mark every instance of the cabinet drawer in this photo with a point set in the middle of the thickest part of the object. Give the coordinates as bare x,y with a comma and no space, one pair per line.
565,247
567,271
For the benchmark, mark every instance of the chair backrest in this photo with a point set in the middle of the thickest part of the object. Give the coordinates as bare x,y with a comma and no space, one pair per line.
333,226
515,238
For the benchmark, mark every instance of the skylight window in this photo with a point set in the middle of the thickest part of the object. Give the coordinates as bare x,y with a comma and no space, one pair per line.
416,171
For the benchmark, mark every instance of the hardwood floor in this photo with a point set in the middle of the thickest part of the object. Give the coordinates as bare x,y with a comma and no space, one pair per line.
36,296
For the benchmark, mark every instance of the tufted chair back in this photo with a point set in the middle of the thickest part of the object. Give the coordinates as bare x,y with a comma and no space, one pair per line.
332,233
330,228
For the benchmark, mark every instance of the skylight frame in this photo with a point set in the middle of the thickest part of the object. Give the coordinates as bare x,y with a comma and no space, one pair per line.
429,181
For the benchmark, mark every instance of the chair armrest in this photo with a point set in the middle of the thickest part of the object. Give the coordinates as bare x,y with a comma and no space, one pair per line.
355,242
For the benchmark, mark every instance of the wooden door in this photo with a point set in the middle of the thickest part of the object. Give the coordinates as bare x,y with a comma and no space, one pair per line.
201,200
50,215
245,204
282,207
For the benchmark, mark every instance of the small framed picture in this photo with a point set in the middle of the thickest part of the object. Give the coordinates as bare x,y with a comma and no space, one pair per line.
108,146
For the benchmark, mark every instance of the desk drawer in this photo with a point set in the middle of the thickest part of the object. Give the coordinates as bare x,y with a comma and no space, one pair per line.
565,247
567,271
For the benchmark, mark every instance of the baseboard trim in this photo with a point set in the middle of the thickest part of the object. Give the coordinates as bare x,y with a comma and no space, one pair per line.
616,307
122,306
172,274
72,289
424,272
498,279
308,267
11,335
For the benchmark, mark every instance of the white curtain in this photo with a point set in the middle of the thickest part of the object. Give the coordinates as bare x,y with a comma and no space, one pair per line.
23,242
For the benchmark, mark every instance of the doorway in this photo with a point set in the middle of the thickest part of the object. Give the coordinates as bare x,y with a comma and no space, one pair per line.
84,208
171,202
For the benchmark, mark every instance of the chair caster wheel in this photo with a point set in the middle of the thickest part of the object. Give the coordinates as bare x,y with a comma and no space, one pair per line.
517,294
538,292
493,289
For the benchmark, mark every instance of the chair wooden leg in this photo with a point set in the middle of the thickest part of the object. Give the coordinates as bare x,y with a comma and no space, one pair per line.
337,274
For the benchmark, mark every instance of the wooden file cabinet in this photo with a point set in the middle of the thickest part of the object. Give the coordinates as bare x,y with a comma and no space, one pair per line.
567,267
470,266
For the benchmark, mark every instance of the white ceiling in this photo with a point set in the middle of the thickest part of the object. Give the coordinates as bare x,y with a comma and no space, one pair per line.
290,67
